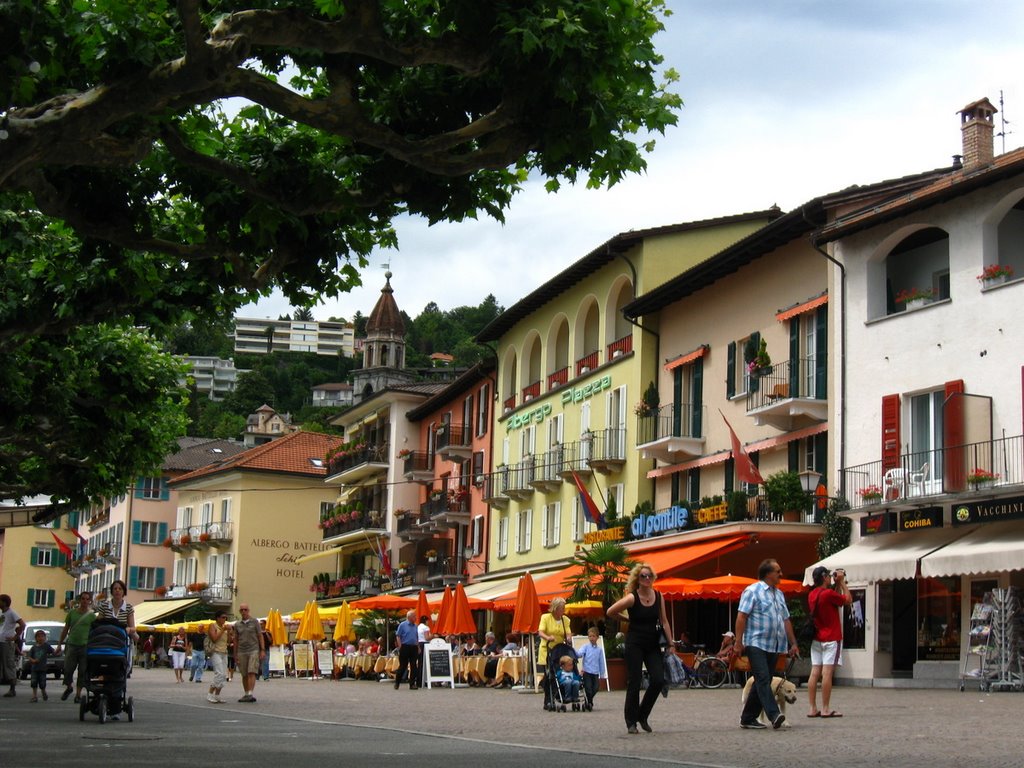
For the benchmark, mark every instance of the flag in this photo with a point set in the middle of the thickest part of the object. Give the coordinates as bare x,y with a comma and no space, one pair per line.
745,469
590,510
80,536
385,559
64,548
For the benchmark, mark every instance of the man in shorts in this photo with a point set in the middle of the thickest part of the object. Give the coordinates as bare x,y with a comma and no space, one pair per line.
830,593
249,651
74,637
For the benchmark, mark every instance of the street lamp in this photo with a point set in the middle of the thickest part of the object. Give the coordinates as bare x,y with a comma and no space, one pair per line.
809,480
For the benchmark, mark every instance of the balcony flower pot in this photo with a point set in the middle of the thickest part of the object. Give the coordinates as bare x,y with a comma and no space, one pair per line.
916,303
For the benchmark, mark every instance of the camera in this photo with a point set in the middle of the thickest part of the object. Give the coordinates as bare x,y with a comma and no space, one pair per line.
838,572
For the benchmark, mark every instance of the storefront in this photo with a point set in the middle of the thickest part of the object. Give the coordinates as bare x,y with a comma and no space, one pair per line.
916,576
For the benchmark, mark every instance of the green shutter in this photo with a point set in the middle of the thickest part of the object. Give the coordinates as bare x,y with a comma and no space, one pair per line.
133,577
697,396
159,577
794,358
34,556
730,471
794,455
61,558
821,456
730,371
140,484
161,532
30,598
165,492
72,519
69,596
753,382
821,353
136,531
677,403
51,598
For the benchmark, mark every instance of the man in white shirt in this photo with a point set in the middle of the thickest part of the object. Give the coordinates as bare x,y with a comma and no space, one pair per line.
11,629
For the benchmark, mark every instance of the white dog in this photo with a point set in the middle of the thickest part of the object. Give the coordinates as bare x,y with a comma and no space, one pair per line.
785,693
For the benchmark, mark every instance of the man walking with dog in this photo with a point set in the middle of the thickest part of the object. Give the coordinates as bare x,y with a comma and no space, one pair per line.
763,631
830,593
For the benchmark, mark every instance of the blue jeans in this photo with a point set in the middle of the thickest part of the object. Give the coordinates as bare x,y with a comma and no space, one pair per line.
198,665
762,664
265,667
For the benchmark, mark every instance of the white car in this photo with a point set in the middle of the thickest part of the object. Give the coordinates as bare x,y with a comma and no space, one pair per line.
55,663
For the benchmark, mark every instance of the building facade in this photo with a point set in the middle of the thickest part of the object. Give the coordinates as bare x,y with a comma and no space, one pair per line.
260,336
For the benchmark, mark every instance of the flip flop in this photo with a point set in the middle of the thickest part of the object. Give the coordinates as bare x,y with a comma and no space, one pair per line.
832,714
816,714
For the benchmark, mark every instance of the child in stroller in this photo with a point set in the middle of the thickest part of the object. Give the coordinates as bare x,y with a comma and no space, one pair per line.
107,661
569,683
554,700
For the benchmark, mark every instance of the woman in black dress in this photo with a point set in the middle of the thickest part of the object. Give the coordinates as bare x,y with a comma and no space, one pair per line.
644,608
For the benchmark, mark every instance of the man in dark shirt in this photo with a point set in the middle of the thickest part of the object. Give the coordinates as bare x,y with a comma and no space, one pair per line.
196,644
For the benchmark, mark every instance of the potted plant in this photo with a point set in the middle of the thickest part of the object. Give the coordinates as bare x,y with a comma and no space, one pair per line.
981,478
160,591
431,555
185,540
786,496
404,453
204,537
761,363
738,507
914,297
994,274
871,494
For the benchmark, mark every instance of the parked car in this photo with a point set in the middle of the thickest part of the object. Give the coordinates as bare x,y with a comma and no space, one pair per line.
54,664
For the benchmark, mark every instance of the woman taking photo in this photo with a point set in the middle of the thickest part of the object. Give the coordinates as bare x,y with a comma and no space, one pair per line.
554,629
648,630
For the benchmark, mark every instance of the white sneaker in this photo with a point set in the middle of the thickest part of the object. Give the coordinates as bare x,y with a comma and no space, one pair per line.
218,700
211,698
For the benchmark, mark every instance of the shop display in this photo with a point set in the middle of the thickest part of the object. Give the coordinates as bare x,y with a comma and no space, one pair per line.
993,654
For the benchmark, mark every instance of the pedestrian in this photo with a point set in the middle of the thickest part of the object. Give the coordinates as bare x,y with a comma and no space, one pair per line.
249,652
649,632
268,641
179,650
197,649
593,664
763,631
148,652
423,636
407,639
554,630
75,634
11,630
830,593
219,633
118,609
38,654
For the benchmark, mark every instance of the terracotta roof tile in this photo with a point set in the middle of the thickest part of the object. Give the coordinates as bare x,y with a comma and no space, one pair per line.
293,454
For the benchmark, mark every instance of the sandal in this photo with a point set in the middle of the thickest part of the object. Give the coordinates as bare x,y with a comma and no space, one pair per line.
815,714
833,713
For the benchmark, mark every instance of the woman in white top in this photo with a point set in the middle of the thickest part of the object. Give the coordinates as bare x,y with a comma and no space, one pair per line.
118,609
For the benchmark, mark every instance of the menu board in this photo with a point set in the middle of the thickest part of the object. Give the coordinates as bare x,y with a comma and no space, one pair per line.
301,658
325,661
438,663
277,658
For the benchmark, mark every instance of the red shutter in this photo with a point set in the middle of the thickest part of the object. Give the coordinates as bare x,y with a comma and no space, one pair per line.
890,432
953,430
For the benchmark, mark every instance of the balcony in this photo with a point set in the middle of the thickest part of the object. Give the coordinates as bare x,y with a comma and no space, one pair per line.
558,378
620,347
199,537
109,554
576,457
219,534
587,363
608,450
181,540
493,489
413,526
418,468
509,403
531,391
969,472
454,443
671,434
449,509
342,524
790,395
358,462
520,479
548,478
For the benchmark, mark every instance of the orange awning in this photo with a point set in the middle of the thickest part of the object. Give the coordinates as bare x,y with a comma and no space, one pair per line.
703,461
548,587
689,357
788,437
802,308
666,561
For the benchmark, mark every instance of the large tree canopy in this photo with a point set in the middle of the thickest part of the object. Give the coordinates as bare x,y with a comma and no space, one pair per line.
159,160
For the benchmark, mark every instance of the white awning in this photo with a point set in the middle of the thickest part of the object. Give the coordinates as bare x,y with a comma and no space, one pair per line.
885,557
487,590
151,610
988,548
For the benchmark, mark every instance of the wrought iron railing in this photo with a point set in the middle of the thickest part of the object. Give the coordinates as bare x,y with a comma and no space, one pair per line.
670,421
786,380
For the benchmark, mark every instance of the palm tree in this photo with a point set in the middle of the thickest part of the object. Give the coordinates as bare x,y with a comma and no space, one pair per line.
602,574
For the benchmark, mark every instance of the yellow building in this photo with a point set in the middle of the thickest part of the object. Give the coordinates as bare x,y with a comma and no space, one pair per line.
32,570
243,524
571,371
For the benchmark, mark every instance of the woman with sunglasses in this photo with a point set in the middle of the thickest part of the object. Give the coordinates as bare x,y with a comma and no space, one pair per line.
644,608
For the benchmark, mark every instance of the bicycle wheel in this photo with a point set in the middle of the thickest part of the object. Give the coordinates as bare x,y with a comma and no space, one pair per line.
712,673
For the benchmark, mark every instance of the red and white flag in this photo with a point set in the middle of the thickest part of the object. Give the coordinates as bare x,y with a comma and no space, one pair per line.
746,471
64,548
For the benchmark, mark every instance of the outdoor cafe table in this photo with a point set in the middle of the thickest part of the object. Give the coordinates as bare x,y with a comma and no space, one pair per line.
513,666
470,668
359,666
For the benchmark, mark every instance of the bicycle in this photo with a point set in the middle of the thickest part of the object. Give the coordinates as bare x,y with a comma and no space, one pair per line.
710,671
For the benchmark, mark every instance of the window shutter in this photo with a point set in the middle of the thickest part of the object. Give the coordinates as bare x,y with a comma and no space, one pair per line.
137,531
558,522
821,355
34,557
697,396
730,472
161,532
519,530
953,428
51,598
61,559
133,577
73,519
794,455
753,382
544,527
529,529
890,432
677,406
795,363
730,371
69,596
159,577
821,456
165,491
30,599
693,485
140,485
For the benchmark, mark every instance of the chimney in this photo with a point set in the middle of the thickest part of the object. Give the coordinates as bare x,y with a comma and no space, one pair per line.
976,131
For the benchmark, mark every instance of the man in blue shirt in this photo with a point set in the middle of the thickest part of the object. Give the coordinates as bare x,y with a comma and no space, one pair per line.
408,651
763,630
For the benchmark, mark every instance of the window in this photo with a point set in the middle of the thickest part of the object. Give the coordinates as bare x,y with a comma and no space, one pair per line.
225,510
579,522
926,431
44,556
551,524
467,419
615,441
145,578
617,493
150,488
149,533
41,598
524,530
478,535
503,536
207,513
184,517
482,410
737,377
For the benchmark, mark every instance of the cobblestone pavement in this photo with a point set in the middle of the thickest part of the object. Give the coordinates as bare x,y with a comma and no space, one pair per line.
928,728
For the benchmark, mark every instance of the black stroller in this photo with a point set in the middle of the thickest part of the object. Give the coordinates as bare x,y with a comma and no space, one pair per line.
106,663
554,701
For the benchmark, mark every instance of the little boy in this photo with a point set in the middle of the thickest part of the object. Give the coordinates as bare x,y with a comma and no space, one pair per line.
594,666
568,680
39,653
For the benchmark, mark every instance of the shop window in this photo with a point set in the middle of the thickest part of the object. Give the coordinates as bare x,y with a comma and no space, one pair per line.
938,616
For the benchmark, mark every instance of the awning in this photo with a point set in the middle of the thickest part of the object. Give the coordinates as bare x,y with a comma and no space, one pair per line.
548,585
689,357
703,461
802,308
797,434
488,590
885,557
989,548
151,610
357,540
666,561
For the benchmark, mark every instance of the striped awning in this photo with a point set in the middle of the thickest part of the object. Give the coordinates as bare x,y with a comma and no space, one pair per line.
689,357
802,308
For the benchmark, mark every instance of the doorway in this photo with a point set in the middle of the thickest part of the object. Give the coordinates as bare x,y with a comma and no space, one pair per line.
904,627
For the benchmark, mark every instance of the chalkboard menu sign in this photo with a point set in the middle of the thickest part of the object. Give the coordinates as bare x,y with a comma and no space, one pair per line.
439,663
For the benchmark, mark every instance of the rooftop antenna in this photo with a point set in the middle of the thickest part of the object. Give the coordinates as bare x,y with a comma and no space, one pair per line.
1003,122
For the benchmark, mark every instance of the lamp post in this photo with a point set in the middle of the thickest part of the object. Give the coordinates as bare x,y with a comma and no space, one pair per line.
809,480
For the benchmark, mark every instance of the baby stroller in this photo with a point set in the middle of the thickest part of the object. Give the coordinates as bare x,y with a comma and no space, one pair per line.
554,701
106,665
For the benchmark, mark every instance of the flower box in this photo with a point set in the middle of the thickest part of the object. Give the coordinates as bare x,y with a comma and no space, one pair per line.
871,494
914,298
981,478
994,274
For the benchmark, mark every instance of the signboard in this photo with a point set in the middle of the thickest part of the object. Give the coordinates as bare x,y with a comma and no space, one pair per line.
301,658
277,658
608,534
716,514
875,524
438,663
991,511
918,519
325,661
673,518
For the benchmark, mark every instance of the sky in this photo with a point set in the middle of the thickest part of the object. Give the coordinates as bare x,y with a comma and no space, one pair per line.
784,101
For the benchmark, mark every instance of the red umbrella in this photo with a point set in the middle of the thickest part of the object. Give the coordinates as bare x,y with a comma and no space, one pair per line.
526,618
461,620
422,608
384,603
444,615
675,588
724,588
